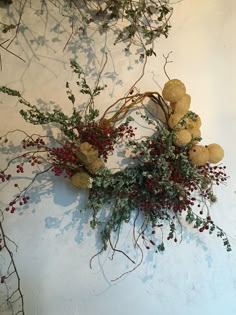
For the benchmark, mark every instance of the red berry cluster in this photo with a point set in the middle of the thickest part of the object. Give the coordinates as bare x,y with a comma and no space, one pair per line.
156,148
64,159
148,241
205,224
30,142
20,199
4,177
104,137
28,157
19,168
214,173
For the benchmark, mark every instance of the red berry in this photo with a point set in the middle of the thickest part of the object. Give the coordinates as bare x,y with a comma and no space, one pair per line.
3,278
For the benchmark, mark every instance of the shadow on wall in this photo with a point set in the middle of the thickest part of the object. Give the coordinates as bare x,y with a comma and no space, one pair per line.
57,32
78,219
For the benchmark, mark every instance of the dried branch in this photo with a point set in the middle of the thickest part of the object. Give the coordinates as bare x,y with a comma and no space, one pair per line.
18,290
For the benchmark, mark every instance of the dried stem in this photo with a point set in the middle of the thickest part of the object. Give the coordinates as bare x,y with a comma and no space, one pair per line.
10,52
94,256
166,62
120,251
127,272
71,34
18,290
129,103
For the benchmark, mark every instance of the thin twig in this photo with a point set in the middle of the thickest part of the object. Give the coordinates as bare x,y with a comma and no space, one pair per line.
12,53
71,34
120,251
127,272
166,62
94,256
14,268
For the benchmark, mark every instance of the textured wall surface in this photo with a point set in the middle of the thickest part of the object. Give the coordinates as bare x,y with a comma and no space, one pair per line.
55,242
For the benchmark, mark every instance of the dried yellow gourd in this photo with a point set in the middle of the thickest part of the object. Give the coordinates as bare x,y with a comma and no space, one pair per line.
195,133
199,155
95,166
183,105
87,153
183,137
81,180
173,90
216,153
174,121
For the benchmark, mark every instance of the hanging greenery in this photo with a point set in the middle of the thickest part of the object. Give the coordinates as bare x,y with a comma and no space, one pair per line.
171,177
137,23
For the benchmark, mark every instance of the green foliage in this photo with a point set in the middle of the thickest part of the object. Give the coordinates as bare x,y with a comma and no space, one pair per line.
6,28
71,96
141,21
82,82
9,91
34,115
163,184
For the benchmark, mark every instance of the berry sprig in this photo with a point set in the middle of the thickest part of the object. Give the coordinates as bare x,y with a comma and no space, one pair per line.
104,137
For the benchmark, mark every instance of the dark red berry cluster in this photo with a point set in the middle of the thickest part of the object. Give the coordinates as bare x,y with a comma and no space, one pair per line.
214,173
19,199
64,159
149,241
30,142
104,137
4,177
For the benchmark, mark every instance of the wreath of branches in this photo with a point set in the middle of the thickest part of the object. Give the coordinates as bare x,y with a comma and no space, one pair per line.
161,188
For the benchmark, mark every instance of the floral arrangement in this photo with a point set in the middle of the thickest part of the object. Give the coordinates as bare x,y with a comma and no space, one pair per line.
171,176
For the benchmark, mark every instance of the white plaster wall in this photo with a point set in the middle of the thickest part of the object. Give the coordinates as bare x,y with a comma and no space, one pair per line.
55,241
